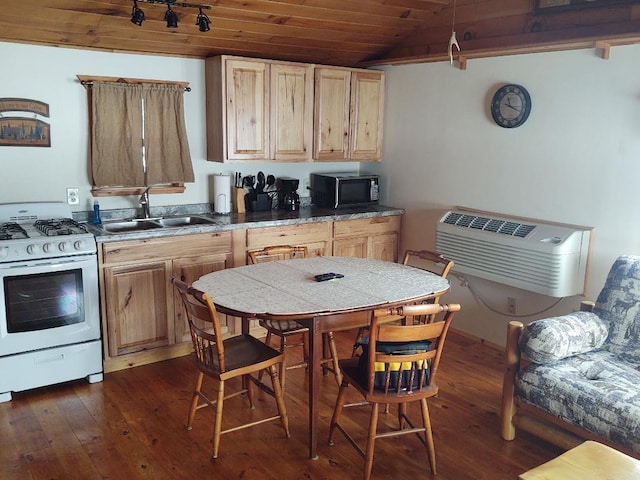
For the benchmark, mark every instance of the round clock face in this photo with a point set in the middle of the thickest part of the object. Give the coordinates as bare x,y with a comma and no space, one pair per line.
511,106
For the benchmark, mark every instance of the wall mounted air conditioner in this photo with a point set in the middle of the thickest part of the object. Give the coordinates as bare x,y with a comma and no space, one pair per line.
542,257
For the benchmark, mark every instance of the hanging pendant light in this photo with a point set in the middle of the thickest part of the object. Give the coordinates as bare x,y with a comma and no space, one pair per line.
137,15
171,18
203,21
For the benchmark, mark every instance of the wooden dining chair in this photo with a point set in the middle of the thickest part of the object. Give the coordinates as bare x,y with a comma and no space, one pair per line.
287,329
399,366
426,260
223,360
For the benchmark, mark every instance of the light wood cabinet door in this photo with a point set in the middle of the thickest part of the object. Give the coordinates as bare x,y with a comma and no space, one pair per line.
384,247
331,114
291,112
139,307
367,238
351,247
247,109
189,270
366,116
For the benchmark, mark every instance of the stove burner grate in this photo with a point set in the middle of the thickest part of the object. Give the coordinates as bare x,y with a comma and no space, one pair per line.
60,226
12,231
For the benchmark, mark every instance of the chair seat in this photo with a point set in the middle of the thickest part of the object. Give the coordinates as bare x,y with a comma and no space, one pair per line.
245,351
282,326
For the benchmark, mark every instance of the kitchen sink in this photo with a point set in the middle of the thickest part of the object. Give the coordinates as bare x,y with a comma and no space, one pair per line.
130,226
184,221
141,224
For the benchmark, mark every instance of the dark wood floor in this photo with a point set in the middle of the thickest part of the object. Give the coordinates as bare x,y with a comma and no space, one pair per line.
131,426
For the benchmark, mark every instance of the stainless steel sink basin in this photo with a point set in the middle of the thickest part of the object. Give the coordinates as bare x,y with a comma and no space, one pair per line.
184,221
130,226
141,224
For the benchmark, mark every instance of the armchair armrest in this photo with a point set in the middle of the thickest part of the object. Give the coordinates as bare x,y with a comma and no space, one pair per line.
552,339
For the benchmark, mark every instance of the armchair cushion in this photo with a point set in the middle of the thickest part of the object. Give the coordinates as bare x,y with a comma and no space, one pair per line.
596,391
552,339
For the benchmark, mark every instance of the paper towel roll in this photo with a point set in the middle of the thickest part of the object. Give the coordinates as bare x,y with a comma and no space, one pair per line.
222,193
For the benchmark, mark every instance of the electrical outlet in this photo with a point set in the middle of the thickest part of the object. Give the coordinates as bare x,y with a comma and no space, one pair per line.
304,191
73,196
511,305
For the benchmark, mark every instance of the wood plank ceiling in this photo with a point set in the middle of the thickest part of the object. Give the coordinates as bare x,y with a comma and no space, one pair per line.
333,32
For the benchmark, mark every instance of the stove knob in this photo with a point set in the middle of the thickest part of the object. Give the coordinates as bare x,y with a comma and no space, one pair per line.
47,247
31,249
62,246
78,245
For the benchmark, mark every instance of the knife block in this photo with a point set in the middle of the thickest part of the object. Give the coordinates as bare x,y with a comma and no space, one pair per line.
238,200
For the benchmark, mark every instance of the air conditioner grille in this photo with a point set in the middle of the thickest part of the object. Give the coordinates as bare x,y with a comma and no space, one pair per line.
489,224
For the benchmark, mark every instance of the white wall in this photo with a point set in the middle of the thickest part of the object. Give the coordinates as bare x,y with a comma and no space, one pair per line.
48,74
576,160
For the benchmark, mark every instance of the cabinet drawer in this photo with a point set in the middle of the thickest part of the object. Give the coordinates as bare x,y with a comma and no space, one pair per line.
366,226
166,247
306,233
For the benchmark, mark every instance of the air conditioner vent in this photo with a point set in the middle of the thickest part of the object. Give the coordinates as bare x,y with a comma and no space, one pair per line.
538,256
489,224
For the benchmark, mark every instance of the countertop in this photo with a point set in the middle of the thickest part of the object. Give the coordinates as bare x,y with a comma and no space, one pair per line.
235,221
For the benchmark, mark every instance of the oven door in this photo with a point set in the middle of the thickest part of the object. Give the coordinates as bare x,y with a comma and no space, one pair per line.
48,303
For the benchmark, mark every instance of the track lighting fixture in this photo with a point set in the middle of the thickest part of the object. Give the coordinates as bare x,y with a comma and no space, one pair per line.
170,16
137,15
203,21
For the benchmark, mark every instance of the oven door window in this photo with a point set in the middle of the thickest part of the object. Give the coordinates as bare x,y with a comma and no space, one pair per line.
44,300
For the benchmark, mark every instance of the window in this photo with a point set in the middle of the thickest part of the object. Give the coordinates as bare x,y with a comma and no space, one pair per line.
138,136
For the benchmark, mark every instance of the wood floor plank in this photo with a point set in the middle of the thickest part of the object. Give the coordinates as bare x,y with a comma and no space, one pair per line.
132,426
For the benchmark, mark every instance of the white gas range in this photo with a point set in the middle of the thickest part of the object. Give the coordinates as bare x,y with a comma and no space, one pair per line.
49,300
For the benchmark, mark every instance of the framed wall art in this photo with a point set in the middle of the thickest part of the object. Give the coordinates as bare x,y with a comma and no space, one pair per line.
553,6
18,128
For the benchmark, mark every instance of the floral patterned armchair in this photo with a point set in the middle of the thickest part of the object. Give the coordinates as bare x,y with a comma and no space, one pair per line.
577,376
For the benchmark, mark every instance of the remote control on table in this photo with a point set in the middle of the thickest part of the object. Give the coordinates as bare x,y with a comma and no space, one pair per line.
323,277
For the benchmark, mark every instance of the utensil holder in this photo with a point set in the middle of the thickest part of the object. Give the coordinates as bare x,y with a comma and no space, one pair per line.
257,202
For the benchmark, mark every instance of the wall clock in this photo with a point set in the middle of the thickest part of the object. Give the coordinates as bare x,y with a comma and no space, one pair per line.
510,106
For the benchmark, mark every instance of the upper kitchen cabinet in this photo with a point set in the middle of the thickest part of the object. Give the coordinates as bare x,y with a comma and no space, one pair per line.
291,112
348,114
258,110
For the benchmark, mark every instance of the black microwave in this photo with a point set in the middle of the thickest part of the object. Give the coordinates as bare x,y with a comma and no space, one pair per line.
344,190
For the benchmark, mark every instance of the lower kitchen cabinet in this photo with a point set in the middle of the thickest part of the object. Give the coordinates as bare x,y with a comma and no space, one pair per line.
367,238
138,311
189,270
143,319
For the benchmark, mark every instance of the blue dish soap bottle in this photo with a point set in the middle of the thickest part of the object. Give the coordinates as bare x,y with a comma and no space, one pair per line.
96,213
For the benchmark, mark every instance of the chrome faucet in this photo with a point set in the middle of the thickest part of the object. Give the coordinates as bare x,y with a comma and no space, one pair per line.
144,202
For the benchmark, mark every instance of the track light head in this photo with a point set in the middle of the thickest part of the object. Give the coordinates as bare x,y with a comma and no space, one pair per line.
171,18
203,21
137,15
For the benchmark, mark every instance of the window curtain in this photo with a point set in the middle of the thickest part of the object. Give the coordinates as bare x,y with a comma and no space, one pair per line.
116,146
166,145
119,123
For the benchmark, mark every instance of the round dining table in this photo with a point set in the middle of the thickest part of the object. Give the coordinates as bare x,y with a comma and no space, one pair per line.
288,290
